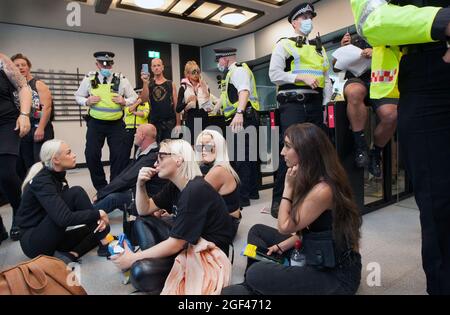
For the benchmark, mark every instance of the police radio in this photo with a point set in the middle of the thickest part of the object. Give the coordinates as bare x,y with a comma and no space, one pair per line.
219,81
115,82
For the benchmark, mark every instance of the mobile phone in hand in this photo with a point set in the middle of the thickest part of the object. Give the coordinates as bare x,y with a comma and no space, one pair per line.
145,68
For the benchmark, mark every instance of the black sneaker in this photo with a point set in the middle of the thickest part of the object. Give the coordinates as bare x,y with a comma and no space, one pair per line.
14,233
361,158
375,164
103,251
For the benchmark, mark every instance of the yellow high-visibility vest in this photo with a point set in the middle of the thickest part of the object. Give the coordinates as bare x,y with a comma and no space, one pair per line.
307,60
386,27
106,109
132,121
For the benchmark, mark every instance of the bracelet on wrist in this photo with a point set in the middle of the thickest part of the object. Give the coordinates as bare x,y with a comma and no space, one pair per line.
286,198
278,246
25,114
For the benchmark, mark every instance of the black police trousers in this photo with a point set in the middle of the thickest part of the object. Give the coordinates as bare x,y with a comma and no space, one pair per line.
114,133
47,236
242,162
424,139
310,110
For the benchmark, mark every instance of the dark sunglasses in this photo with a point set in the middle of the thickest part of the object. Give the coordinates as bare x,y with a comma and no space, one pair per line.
195,71
162,155
207,147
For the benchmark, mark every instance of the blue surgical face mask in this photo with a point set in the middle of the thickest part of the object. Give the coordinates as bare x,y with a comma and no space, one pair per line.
221,68
105,72
306,26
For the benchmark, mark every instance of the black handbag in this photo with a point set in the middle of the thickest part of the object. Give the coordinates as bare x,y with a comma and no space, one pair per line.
319,249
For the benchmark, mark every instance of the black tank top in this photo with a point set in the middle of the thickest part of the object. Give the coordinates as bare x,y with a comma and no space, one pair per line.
36,103
8,110
323,223
161,101
232,200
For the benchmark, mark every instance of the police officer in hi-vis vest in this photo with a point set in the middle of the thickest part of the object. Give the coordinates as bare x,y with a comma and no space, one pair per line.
240,106
299,67
106,94
135,115
413,36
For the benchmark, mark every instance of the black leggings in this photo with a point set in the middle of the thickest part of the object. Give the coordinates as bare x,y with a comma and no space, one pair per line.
9,181
149,275
47,236
271,279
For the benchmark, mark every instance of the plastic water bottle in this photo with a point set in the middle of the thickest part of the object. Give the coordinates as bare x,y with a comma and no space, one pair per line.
298,259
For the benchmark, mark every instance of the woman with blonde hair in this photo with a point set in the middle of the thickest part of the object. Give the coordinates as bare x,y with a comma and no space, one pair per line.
193,210
49,206
211,150
193,98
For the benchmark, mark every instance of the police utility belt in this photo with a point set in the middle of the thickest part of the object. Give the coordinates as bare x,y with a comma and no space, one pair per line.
427,47
299,96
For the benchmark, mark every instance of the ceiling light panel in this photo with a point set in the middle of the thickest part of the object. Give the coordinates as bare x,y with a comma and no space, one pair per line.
205,10
202,11
181,6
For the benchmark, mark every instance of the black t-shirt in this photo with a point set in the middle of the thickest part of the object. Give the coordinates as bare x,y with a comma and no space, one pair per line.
8,110
161,101
196,216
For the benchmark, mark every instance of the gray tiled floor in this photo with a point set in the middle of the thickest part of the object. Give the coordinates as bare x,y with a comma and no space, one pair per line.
390,240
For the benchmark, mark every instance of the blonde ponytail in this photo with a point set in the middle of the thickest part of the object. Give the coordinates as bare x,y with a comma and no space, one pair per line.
49,149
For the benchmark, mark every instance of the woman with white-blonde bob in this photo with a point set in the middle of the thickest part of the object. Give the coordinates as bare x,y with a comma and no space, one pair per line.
212,152
49,207
192,210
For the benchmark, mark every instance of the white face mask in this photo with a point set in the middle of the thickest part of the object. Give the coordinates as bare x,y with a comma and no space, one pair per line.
221,68
306,26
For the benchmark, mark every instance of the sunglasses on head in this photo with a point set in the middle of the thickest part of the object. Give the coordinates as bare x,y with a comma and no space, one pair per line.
207,147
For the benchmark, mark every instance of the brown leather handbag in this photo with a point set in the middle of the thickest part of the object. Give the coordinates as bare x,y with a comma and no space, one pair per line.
43,275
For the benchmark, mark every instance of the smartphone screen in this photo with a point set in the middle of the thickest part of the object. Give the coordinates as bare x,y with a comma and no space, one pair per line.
145,68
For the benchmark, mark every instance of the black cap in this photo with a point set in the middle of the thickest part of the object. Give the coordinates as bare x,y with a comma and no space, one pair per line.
105,57
224,52
300,9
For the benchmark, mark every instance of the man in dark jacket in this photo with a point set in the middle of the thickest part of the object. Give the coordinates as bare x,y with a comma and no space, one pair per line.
118,194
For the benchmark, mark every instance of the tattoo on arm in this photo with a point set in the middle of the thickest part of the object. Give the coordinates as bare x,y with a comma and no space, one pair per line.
13,73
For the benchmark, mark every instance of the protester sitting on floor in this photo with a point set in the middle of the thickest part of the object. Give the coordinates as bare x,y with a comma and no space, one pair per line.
215,164
317,203
118,194
196,211
49,207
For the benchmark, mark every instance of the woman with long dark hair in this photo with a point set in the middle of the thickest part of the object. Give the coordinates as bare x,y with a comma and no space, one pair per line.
317,203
